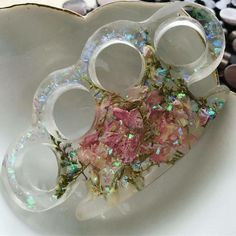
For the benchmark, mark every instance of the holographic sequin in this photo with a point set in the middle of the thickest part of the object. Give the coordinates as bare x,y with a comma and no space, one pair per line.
130,136
169,107
30,202
72,154
158,151
180,95
213,30
161,72
136,166
116,163
110,151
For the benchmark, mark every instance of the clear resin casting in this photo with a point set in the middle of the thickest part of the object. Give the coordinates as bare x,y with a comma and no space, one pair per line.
150,125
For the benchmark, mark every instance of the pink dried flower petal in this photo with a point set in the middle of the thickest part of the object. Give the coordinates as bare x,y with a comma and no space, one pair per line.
112,139
188,139
203,117
113,126
86,156
101,150
128,155
132,119
161,155
135,119
90,156
89,139
154,98
173,136
120,114
126,148
99,162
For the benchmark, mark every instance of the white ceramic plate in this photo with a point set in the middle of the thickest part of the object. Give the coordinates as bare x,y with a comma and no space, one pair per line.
76,6
53,3
196,197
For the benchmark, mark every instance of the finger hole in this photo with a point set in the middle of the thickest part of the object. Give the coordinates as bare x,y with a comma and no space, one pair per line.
180,42
117,67
37,169
74,113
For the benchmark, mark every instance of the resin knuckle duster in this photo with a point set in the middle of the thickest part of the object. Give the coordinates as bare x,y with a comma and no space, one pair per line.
134,137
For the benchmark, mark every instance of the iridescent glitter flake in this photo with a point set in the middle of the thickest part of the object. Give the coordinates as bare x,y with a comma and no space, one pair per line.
213,30
30,202
158,151
110,151
169,107
161,72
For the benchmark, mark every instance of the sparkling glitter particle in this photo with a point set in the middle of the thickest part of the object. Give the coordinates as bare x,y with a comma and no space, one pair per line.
116,163
176,142
98,95
136,166
130,136
30,202
12,159
42,98
10,171
157,107
107,189
125,181
217,50
217,43
144,35
211,113
180,131
110,151
186,77
72,154
73,168
180,95
158,151
169,107
94,179
161,72
129,37
210,36
220,103
172,98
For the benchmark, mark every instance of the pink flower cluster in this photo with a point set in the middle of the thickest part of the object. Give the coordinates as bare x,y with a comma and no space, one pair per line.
169,123
119,137
121,134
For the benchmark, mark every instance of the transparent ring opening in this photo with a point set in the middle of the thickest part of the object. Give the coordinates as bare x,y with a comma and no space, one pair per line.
116,66
74,113
70,113
30,172
174,39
